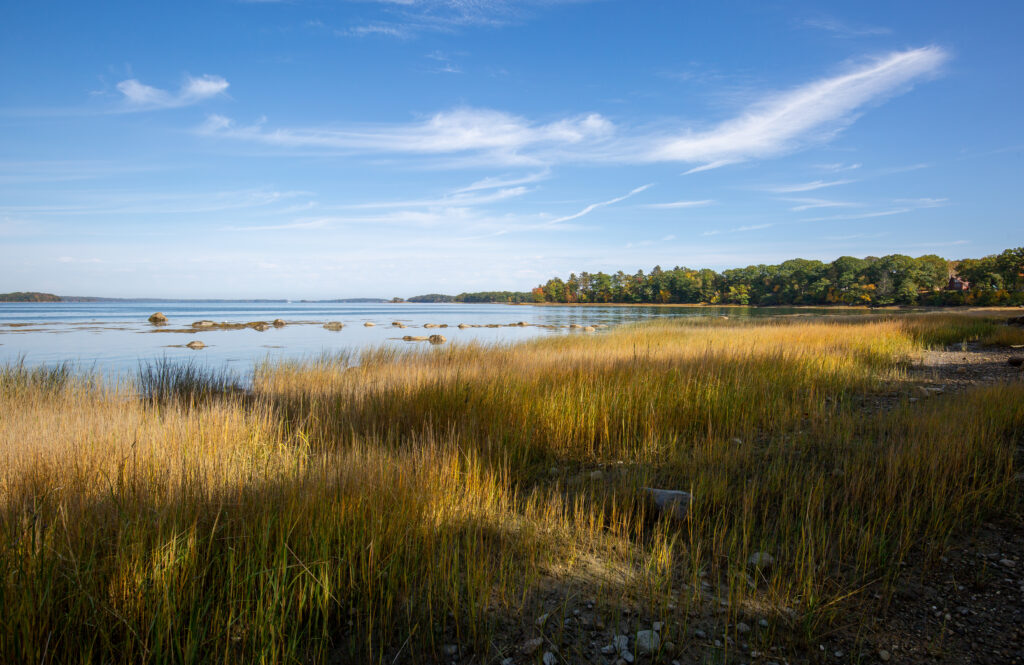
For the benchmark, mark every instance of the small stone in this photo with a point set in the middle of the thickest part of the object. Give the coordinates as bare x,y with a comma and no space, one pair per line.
760,560
627,656
670,647
700,634
674,502
529,647
451,649
1007,563
437,339
763,623
195,345
369,324
883,655
334,325
279,323
157,317
647,642
608,650
620,643
550,658
508,661
657,626
742,628
542,619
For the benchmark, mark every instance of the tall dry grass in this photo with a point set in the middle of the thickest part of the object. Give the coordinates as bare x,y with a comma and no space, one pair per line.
374,507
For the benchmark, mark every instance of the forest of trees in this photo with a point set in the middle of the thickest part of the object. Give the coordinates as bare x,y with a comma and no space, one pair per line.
890,280
478,297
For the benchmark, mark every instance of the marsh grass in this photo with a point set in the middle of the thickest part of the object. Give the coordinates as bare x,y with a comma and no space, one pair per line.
371,508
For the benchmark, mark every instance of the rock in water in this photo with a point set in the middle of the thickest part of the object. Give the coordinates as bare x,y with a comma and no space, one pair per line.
195,345
334,325
589,329
279,323
647,642
415,338
158,317
369,324
463,326
672,502
397,324
205,323
437,339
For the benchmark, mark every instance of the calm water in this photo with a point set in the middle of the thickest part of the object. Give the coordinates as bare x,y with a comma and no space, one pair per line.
115,337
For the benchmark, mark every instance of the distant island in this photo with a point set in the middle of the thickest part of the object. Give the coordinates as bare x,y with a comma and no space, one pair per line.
501,297
29,296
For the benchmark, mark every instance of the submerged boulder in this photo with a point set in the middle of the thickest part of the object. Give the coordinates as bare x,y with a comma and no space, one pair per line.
334,325
195,345
205,323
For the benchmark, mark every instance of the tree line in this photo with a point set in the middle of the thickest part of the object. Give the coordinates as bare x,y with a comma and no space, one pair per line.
895,279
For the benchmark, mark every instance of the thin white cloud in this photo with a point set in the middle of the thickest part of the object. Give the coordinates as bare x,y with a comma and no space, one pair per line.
739,229
594,206
806,186
679,204
778,124
459,130
838,166
496,183
784,122
138,96
866,215
810,204
844,29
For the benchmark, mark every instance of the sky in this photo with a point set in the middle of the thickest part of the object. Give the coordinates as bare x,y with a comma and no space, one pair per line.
378,148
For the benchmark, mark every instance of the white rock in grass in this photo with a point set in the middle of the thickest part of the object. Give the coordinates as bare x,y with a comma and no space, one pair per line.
542,619
761,560
620,643
530,646
550,658
673,502
647,642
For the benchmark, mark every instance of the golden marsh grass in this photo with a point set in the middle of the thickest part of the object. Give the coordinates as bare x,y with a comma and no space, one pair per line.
373,508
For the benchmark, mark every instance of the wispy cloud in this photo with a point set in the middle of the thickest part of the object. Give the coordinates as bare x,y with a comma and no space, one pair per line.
806,186
739,229
865,215
810,204
838,167
138,96
594,206
496,183
777,124
407,18
844,29
813,112
679,204
458,131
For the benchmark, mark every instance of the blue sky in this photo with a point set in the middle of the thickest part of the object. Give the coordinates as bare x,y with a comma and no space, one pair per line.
331,148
